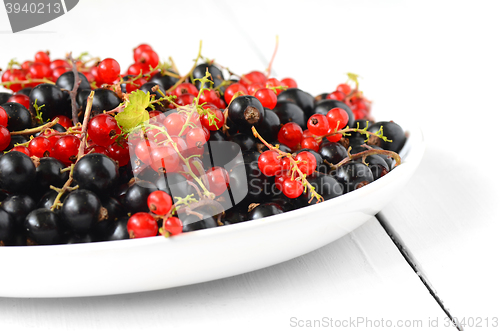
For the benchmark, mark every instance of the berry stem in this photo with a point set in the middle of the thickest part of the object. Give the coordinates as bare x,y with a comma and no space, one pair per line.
183,78
295,167
268,70
37,129
364,154
72,93
27,81
83,136
66,187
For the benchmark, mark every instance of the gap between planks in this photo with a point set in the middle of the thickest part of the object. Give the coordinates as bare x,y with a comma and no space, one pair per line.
412,261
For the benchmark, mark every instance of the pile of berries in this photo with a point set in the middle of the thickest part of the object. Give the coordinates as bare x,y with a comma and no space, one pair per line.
149,152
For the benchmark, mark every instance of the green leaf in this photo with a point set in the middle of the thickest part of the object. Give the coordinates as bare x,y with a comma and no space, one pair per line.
134,112
139,98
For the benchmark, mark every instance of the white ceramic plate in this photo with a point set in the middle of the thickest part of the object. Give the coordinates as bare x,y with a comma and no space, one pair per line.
157,263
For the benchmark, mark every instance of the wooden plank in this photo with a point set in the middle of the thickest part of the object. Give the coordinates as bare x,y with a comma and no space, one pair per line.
360,276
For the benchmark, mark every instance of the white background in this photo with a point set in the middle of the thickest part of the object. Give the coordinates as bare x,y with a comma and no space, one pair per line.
431,62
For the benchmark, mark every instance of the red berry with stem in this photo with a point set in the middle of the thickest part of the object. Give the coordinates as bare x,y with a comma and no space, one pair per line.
40,70
59,63
280,178
103,129
337,118
21,99
142,225
208,96
335,137
42,57
173,225
213,120
232,90
139,49
94,71
252,88
185,99
40,146
267,97
185,88
95,149
310,143
143,150
109,70
306,162
164,159
196,138
119,153
66,149
318,125
292,188
149,58
4,138
65,121
159,202
218,180
22,149
26,65
253,77
174,123
269,163
133,86
344,88
289,82
290,134
273,82
137,69
336,95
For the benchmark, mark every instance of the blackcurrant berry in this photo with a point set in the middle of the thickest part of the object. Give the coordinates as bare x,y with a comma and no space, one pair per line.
54,101
104,99
43,227
270,126
49,173
246,111
302,99
19,116
265,210
17,172
136,198
80,211
67,80
193,222
332,152
7,225
18,206
165,81
289,112
393,132
97,173
353,176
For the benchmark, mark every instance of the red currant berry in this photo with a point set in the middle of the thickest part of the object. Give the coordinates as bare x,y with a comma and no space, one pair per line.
289,82
336,95
40,146
21,99
4,138
344,88
292,188
164,159
26,65
103,129
94,71
40,70
337,118
149,58
218,180
334,138
58,71
174,123
318,125
42,57
141,225
306,162
133,86
119,153
137,69
108,70
59,63
185,99
252,88
143,150
65,121
310,143
196,138
22,149
269,163
139,49
213,120
267,97
185,88
66,149
232,90
253,77
290,134
95,149
159,202
173,225
280,178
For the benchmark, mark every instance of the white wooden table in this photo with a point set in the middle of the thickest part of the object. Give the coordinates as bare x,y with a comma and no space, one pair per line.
435,63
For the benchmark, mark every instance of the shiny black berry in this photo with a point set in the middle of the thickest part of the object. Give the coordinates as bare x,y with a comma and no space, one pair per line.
302,99
67,81
54,101
246,111
332,152
193,222
43,227
393,132
97,173
17,172
80,211
270,126
165,81
265,210
19,116
18,206
288,111
49,173
353,176
136,198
